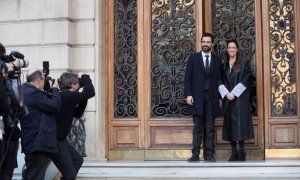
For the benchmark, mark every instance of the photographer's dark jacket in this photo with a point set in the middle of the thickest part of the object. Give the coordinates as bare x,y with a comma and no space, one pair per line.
73,105
39,127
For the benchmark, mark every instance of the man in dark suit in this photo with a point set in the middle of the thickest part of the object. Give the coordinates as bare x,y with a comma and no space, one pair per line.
38,129
201,82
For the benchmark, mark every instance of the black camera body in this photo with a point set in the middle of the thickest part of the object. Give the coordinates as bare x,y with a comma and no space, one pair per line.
46,71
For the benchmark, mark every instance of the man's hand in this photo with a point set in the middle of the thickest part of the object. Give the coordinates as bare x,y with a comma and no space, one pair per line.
55,84
230,96
16,62
220,103
190,100
79,75
10,65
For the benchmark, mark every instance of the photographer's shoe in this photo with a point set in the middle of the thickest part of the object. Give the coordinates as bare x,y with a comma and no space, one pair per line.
193,159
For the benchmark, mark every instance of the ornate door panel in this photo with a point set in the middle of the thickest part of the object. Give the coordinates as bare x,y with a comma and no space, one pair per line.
148,45
172,32
281,41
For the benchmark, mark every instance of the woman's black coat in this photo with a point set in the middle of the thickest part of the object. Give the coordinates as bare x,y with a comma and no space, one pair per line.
237,113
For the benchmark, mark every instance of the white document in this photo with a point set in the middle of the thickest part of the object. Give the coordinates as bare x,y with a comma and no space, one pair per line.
1,134
1,127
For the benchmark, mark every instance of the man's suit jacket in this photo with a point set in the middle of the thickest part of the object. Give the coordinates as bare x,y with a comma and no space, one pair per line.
194,82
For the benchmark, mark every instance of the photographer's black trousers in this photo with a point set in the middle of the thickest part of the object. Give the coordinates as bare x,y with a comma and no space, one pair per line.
67,160
36,165
8,158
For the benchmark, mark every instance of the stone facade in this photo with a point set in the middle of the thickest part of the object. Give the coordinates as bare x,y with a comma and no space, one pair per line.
70,34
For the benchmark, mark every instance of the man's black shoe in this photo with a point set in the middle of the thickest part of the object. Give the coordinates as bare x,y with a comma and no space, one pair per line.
193,159
210,159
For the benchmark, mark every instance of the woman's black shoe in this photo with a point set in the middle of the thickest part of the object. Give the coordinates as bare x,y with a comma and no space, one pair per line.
234,155
242,155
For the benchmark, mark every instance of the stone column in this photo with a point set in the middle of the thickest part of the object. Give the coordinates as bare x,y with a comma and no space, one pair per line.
70,34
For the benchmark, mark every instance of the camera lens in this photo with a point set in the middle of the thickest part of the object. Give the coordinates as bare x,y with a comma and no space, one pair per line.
23,63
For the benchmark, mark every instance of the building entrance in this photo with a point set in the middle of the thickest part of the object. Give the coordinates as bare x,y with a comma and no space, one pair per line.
149,43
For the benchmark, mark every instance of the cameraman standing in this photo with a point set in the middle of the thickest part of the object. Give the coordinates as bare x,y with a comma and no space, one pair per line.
39,127
73,104
9,111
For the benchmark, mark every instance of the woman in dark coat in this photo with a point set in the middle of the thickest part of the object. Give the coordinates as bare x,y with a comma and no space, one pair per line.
237,126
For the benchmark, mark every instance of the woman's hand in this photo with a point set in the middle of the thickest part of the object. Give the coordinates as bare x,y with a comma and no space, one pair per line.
230,96
190,100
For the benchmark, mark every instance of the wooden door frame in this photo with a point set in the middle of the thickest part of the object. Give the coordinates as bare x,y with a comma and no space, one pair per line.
114,123
259,73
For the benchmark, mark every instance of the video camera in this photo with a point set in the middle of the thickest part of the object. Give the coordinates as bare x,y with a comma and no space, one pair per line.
13,56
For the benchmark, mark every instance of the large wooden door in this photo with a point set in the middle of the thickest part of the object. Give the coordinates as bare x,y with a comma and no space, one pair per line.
148,44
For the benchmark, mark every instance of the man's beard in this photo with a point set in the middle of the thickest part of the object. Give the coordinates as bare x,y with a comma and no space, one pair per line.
206,49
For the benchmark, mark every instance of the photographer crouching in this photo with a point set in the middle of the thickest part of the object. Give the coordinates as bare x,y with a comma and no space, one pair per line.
73,103
11,109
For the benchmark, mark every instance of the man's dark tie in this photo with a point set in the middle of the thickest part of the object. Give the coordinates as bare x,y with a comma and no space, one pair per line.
207,63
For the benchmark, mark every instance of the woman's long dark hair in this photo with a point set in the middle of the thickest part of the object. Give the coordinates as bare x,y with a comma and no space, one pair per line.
238,60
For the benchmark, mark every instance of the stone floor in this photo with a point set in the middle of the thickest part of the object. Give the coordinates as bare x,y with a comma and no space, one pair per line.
181,170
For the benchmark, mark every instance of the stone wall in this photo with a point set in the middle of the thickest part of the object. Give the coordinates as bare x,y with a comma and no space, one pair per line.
70,34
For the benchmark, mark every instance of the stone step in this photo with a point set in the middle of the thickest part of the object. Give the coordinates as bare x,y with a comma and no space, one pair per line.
158,170
182,170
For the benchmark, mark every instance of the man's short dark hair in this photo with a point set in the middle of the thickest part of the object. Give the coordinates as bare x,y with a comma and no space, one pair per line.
2,50
66,80
35,75
206,34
